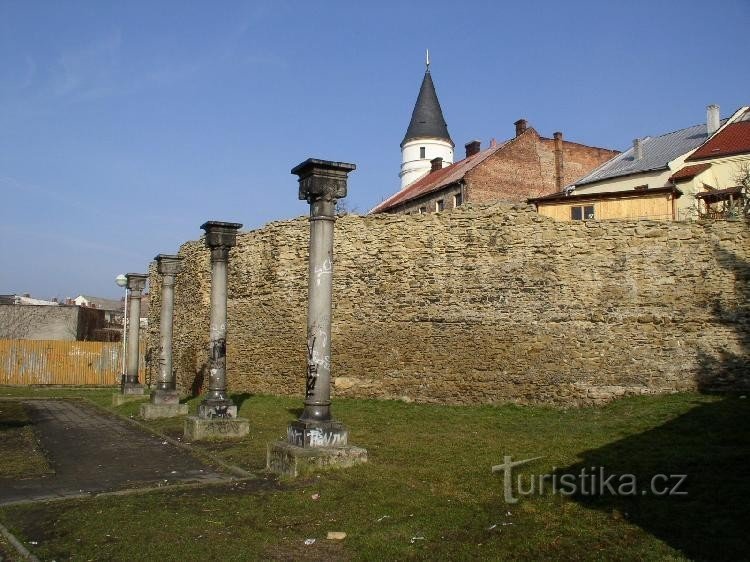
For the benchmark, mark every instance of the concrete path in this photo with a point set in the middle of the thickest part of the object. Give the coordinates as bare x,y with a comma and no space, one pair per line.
93,452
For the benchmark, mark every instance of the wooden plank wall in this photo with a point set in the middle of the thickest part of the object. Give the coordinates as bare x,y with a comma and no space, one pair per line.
27,362
653,207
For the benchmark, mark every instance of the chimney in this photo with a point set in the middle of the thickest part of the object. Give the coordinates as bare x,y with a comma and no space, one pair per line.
520,126
472,147
436,163
637,149
558,160
713,118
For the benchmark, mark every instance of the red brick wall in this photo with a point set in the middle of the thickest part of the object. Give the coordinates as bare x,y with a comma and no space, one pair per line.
525,168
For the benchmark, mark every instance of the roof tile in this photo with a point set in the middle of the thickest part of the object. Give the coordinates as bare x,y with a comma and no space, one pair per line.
734,139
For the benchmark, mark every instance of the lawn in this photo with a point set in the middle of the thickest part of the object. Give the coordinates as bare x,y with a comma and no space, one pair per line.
429,492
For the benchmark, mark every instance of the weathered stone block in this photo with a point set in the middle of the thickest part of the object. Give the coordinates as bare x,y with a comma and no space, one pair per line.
119,399
156,411
132,389
165,397
210,429
290,460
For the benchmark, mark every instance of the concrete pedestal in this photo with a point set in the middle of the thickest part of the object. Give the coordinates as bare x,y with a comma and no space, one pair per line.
209,429
155,411
312,446
290,460
118,398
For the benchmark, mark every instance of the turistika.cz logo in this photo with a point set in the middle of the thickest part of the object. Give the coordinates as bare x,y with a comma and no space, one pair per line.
590,481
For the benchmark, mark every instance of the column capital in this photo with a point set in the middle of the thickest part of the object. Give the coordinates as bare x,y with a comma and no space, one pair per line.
167,264
322,179
136,281
220,233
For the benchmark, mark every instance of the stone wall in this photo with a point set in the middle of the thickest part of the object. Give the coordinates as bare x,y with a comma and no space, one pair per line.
481,305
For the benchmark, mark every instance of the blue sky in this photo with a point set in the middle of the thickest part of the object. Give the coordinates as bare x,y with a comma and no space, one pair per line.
125,125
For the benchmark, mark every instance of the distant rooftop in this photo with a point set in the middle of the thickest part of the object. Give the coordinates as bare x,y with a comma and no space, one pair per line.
104,304
657,153
733,139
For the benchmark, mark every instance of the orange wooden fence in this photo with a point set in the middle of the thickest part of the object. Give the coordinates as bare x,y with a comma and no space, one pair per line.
25,362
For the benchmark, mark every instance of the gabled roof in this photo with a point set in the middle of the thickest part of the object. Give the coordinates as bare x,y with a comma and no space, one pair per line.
688,172
427,118
438,179
733,139
104,304
657,153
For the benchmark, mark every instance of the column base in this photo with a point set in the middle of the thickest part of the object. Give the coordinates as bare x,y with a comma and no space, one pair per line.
210,429
132,388
155,411
317,434
165,397
290,460
313,446
118,399
217,409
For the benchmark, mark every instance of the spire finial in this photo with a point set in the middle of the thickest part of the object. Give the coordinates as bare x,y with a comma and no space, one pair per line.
427,59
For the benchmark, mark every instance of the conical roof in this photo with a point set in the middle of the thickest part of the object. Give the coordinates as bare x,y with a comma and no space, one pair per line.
427,118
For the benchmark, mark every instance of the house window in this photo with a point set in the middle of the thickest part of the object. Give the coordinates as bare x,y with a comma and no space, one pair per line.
422,152
439,205
457,200
422,210
585,212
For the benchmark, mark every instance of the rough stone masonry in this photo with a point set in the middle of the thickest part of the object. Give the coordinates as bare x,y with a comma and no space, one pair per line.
481,305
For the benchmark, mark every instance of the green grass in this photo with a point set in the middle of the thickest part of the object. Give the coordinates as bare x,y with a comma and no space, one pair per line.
430,476
20,454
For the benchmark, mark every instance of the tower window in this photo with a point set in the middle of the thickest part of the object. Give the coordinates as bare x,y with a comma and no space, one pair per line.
422,152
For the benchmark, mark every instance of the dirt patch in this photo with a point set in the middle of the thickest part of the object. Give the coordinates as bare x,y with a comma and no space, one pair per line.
21,455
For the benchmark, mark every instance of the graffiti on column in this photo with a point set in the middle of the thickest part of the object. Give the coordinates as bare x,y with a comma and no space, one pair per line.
325,269
312,369
218,350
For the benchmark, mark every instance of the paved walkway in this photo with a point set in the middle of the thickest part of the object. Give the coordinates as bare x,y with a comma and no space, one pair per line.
92,452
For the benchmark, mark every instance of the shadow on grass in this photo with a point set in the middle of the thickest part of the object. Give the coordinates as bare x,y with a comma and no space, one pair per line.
703,515
239,399
296,412
13,424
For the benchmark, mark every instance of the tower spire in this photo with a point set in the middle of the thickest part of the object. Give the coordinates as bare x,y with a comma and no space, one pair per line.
426,139
427,118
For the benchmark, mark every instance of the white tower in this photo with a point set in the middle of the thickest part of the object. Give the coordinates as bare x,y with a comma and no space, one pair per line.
427,136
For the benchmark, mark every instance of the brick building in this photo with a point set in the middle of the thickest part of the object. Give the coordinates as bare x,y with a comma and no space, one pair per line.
523,167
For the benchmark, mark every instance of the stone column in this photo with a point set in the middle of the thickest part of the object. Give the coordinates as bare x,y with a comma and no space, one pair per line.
165,400
136,285
317,440
217,415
